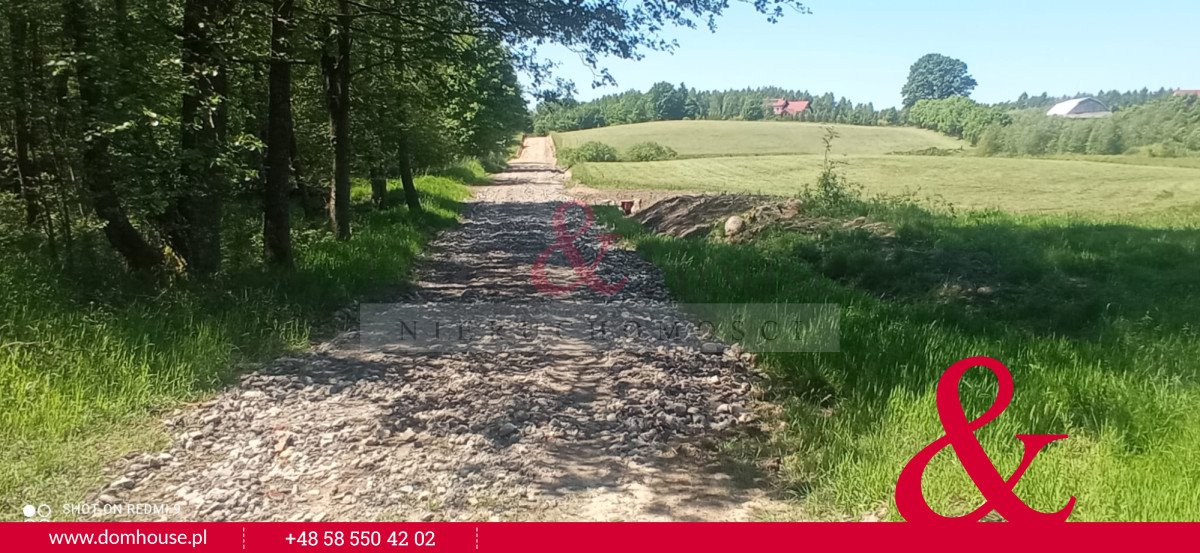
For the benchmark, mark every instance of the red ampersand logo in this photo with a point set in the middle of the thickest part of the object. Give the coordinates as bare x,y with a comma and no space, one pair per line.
960,434
564,242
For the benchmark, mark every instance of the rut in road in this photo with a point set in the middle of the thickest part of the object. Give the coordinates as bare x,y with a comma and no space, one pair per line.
560,429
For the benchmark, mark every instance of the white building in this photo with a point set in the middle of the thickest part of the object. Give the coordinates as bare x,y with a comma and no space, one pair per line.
1080,107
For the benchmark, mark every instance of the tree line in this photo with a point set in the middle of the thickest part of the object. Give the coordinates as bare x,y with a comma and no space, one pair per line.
1167,127
668,102
149,120
1114,99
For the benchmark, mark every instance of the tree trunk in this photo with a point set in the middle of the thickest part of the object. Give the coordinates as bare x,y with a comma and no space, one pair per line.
96,171
312,198
335,65
277,238
194,219
21,33
406,176
378,187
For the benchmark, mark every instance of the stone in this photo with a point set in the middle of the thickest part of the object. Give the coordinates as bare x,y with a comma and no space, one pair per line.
734,225
284,442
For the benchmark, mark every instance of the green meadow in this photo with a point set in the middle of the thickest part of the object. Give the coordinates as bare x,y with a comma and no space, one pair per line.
754,138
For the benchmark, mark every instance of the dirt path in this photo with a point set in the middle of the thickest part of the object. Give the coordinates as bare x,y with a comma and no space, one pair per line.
557,429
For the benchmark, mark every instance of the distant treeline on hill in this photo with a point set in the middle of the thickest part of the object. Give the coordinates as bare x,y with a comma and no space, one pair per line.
1150,122
1168,127
667,102
1114,99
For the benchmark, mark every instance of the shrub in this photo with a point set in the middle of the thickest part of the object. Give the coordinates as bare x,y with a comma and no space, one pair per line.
649,151
588,151
957,116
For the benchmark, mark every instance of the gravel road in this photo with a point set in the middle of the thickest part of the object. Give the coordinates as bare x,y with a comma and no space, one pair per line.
552,429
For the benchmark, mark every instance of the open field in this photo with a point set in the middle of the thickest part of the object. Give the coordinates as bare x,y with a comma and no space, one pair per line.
731,138
1011,184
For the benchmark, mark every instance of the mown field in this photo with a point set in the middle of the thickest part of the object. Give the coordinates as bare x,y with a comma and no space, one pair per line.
86,357
751,138
1086,283
748,157
1010,184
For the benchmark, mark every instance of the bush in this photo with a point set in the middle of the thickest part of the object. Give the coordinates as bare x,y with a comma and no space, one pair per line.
957,116
649,151
588,151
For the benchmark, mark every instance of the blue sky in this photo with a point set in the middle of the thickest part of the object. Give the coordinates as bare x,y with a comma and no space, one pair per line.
863,50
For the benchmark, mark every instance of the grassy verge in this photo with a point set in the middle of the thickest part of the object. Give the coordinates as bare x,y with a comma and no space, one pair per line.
1098,322
86,357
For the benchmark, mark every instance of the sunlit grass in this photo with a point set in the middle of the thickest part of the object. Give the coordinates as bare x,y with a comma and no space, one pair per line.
732,138
1019,185
1098,322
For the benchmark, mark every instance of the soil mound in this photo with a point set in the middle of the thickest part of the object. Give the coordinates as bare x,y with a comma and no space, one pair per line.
742,217
687,216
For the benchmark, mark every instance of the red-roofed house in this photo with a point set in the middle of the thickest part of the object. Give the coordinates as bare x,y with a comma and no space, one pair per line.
1182,92
789,107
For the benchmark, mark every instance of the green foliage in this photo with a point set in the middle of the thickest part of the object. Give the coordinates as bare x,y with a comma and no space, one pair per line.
82,351
934,77
559,117
1168,127
833,190
588,151
1114,99
957,116
667,102
649,151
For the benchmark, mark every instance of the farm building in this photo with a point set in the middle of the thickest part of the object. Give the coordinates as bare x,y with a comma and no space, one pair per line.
782,106
1185,92
1080,107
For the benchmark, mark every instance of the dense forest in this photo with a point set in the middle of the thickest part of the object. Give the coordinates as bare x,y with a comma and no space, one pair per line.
153,119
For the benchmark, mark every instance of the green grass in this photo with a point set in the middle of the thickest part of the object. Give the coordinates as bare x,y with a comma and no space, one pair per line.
732,138
85,360
1019,185
1079,273
1097,321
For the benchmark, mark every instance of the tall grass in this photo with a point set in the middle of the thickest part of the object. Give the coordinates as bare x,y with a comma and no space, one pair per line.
85,357
1097,321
